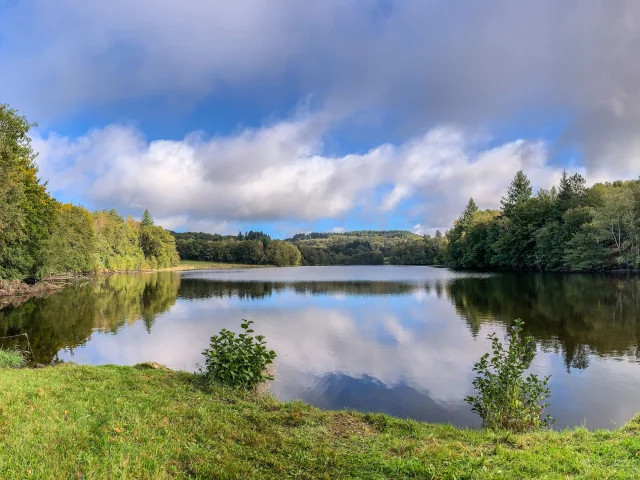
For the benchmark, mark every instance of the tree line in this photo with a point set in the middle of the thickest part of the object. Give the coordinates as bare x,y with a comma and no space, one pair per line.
362,247
251,248
365,247
41,237
567,228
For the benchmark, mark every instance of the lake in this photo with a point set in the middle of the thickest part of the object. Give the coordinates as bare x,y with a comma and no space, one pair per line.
399,340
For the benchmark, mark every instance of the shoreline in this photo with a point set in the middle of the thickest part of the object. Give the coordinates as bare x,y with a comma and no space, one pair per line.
16,292
128,422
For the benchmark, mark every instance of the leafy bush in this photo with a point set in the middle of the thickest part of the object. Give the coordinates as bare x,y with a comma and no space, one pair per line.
11,359
238,360
506,399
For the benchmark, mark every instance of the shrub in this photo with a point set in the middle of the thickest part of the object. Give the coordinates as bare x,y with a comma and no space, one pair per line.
11,359
506,399
238,360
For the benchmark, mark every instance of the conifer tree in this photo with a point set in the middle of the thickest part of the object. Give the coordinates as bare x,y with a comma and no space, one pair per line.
519,192
147,219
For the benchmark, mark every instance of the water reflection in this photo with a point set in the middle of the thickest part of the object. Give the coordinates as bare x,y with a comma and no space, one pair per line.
577,315
393,339
67,319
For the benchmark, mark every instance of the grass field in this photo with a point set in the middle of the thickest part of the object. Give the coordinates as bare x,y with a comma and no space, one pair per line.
197,265
125,423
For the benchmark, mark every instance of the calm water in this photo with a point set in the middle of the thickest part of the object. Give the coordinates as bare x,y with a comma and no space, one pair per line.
400,340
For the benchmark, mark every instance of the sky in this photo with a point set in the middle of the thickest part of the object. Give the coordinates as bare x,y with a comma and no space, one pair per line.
288,116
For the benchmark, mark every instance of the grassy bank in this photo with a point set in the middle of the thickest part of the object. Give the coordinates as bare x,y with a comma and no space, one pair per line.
198,265
121,422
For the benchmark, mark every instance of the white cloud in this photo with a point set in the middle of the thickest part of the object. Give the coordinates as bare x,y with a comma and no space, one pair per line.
418,229
279,172
422,63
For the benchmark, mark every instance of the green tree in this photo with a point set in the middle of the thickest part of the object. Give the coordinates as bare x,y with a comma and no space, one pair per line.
282,254
147,219
616,222
158,246
456,235
518,193
71,247
117,242
26,209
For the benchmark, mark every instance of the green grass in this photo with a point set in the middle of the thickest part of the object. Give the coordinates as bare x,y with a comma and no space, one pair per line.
197,265
11,359
125,423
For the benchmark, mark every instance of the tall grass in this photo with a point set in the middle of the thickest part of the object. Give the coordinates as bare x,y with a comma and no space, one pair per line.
11,359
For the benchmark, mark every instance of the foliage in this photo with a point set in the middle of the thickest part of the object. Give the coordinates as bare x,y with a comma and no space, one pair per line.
250,248
238,360
147,219
246,248
117,247
11,359
282,254
364,247
158,246
569,227
518,193
39,237
507,400
119,422
26,210
426,250
71,246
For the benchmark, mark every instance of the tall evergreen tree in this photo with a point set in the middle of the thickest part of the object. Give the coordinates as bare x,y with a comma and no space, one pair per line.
469,210
519,192
571,192
147,219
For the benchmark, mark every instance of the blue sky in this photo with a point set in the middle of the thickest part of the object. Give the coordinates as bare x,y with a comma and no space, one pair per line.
292,116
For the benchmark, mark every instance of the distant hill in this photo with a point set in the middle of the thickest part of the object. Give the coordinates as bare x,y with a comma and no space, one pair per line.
360,247
355,233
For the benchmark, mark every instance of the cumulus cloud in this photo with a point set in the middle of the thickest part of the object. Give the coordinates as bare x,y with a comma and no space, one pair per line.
279,172
419,63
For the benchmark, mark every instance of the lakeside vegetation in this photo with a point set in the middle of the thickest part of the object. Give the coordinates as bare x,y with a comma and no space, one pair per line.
11,359
202,265
567,228
41,237
570,227
123,422
360,247
250,248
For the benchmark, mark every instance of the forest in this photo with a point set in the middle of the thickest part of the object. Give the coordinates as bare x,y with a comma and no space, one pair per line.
567,228
41,237
251,248
364,247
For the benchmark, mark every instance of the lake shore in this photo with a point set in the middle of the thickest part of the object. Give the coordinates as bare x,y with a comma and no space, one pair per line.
125,422
15,292
198,265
